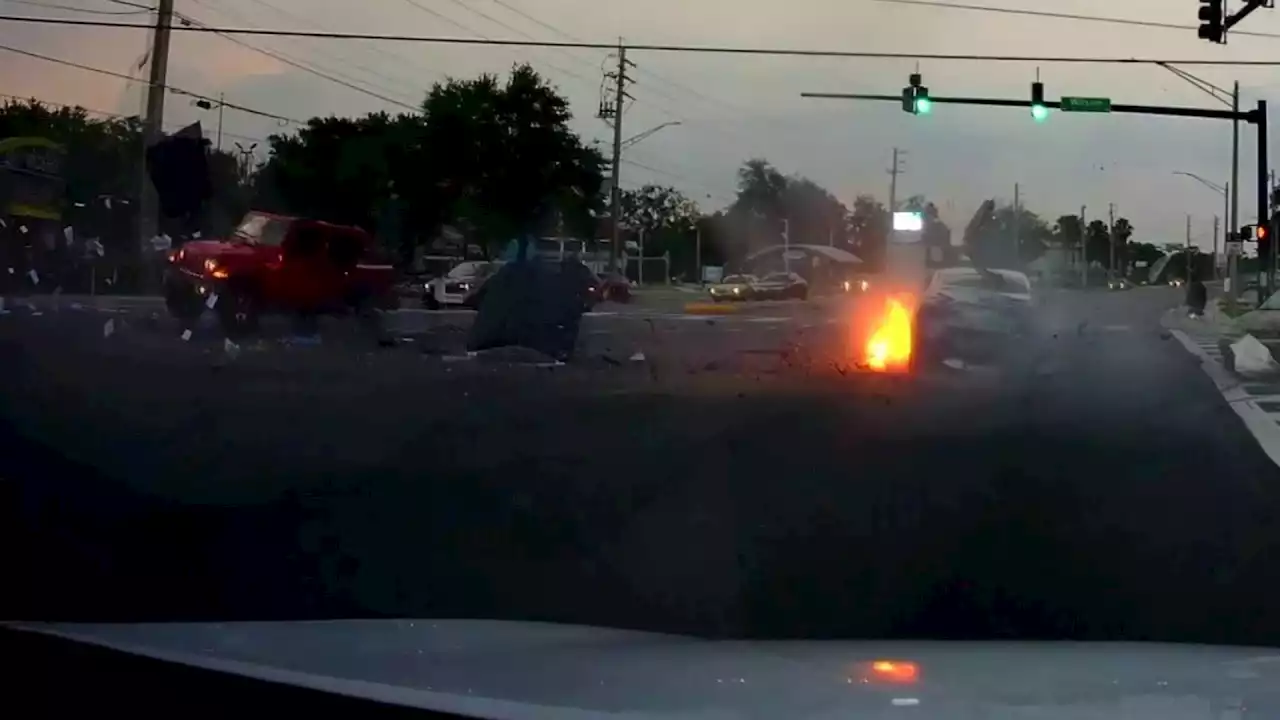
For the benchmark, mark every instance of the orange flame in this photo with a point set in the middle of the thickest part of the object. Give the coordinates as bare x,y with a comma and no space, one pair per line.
889,347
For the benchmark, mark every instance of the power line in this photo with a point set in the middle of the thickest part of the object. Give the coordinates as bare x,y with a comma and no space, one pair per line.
107,113
399,60
1066,16
485,38
281,57
171,88
69,8
649,47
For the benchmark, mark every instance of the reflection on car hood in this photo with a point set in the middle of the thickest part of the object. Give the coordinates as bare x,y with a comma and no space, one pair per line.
521,670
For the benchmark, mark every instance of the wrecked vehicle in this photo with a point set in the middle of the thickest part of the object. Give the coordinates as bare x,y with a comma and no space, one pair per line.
278,264
976,316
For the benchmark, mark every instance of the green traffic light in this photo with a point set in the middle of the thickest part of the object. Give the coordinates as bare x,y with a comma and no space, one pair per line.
923,106
1039,113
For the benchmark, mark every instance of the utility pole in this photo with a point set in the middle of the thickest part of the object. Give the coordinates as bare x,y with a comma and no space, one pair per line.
1187,255
153,123
1226,230
786,245
1233,262
893,179
697,244
1111,238
1017,225
1215,247
613,111
222,106
1084,250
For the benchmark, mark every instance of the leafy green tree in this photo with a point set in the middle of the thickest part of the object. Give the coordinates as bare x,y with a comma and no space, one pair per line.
1098,240
994,239
494,157
869,226
669,221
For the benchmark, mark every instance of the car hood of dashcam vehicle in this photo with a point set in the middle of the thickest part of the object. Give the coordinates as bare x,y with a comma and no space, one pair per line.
519,670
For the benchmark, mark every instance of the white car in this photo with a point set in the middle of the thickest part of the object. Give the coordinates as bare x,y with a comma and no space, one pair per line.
976,317
456,287
964,283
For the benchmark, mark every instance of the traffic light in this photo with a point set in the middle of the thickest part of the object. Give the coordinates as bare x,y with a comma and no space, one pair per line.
1039,112
1211,16
915,97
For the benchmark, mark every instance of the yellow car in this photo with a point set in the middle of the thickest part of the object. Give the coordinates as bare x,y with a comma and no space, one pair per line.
734,287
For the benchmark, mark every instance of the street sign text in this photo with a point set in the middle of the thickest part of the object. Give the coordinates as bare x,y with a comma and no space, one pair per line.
1085,104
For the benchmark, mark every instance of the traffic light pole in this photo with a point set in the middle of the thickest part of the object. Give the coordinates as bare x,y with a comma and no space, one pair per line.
1256,117
1264,220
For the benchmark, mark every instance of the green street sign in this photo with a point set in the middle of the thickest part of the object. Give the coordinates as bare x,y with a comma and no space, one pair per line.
1085,104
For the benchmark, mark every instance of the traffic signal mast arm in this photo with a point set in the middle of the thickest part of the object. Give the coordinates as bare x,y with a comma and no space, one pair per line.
1250,116
1242,13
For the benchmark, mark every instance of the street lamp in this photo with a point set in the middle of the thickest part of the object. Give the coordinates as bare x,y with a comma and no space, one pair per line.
1225,191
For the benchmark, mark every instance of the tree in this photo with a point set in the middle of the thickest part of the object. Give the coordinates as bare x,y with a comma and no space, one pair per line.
993,242
760,190
814,216
668,220
1067,231
1098,242
496,158
653,208
504,155
869,226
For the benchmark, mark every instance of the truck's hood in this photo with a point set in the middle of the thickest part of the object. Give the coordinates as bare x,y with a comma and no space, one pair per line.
529,670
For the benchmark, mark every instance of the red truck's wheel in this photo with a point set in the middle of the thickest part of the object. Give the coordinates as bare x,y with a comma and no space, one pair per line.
183,303
239,309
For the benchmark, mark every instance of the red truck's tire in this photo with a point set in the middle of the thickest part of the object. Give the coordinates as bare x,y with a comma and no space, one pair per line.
239,309
183,302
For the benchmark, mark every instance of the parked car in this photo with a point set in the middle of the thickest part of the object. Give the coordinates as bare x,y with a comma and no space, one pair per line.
734,288
781,286
1119,284
455,287
278,264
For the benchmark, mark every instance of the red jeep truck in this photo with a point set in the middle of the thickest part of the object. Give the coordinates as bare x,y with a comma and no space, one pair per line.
278,264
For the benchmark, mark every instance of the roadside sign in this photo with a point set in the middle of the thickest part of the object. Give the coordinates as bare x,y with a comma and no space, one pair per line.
1085,104
1235,248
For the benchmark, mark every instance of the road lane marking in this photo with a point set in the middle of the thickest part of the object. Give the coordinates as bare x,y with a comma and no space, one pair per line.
1261,424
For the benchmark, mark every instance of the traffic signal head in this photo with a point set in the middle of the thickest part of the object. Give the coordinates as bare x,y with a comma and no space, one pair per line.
1211,16
923,105
1247,233
915,96
1038,110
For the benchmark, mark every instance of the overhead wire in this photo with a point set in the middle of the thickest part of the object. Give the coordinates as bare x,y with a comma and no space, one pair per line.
71,8
437,14
372,48
326,74
661,48
1068,16
171,88
109,114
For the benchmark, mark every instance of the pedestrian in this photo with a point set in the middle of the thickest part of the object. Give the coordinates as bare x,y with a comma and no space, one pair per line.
1197,297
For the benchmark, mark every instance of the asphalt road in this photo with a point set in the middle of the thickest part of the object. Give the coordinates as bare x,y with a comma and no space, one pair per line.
741,480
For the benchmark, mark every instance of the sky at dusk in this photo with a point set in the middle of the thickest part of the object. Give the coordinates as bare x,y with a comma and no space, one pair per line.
732,107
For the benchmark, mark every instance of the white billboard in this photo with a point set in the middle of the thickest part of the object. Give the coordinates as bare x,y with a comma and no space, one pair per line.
908,221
